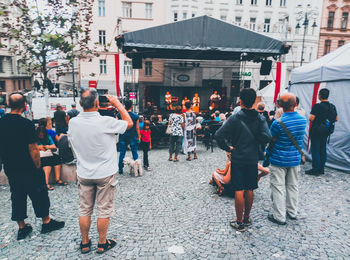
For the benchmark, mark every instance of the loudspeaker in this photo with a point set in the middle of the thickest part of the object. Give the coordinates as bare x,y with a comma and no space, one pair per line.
137,61
265,68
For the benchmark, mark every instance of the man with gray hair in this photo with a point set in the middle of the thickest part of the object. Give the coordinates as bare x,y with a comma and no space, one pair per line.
93,139
285,161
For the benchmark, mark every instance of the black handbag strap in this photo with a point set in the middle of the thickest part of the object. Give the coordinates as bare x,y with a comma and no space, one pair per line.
291,137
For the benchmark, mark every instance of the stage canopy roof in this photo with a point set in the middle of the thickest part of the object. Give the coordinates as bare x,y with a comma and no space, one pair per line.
200,38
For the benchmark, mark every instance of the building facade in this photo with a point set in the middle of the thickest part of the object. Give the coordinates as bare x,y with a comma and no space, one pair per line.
278,19
335,30
111,18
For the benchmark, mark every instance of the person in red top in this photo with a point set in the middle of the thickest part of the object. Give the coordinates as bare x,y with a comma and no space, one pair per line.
146,144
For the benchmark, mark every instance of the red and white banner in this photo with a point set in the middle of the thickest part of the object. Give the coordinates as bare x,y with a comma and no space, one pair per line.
119,74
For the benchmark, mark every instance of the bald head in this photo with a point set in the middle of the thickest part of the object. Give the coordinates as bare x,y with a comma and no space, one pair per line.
17,101
288,102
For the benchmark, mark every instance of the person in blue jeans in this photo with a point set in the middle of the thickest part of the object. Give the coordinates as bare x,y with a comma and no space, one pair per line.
323,116
130,137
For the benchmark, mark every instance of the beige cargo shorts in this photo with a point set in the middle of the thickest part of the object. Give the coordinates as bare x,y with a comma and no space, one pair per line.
100,190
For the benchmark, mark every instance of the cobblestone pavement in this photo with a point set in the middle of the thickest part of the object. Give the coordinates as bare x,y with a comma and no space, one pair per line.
173,205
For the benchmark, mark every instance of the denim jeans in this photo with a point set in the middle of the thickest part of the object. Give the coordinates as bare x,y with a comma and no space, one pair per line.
319,152
133,146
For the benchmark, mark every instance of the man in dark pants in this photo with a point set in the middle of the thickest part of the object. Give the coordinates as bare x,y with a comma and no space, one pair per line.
322,118
131,136
246,130
21,158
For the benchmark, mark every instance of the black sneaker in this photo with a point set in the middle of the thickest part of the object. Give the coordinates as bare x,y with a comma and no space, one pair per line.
239,226
290,217
247,221
273,220
24,232
51,226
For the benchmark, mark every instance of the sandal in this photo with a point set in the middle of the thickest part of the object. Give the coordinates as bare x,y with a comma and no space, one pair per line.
170,158
85,246
49,187
188,158
61,183
110,243
195,156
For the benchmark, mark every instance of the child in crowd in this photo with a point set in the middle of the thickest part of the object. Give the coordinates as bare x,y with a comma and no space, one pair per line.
223,176
146,144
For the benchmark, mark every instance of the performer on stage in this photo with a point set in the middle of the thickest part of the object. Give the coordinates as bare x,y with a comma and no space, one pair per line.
196,100
184,101
215,100
168,101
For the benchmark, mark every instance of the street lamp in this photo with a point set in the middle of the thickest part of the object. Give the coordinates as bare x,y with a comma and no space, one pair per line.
313,14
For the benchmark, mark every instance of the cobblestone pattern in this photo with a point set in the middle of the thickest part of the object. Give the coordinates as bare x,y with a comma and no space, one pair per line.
173,205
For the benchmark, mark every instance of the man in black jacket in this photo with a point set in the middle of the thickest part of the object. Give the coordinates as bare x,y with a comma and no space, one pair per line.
246,130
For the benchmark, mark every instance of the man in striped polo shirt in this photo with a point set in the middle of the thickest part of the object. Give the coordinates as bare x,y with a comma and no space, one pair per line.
285,162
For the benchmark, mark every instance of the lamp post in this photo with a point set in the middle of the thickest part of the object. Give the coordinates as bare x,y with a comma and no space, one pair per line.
305,24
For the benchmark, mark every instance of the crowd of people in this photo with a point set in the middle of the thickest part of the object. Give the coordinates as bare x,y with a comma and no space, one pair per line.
29,153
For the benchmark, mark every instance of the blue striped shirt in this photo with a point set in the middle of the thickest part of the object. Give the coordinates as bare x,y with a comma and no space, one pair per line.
285,154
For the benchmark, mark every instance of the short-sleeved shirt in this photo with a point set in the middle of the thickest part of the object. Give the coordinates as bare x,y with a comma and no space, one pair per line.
48,141
73,113
60,118
52,134
284,153
93,139
132,131
16,133
322,111
176,127
145,136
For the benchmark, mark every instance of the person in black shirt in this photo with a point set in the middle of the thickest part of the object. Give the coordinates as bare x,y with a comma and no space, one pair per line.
322,118
246,131
61,120
21,158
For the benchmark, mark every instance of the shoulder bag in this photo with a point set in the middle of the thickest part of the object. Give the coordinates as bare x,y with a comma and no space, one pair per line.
169,128
291,138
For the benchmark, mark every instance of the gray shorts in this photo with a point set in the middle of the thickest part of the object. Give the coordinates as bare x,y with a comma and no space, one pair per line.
100,190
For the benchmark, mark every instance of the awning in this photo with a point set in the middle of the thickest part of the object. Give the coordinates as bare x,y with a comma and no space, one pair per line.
200,38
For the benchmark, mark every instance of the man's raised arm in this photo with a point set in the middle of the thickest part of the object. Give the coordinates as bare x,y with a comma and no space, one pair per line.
121,109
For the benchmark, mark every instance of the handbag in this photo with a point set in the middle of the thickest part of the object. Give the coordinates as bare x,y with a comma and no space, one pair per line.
169,128
290,136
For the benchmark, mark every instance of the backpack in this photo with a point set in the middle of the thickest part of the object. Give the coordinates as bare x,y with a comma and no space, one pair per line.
327,124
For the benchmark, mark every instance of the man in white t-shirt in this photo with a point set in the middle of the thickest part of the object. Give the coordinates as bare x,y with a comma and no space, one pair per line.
93,140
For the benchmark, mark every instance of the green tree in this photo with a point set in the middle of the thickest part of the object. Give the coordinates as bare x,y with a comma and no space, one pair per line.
60,31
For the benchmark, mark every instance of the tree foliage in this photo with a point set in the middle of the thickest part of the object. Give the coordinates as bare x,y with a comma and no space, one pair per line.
44,30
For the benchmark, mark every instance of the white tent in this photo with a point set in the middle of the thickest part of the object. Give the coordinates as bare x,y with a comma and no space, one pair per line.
333,72
267,95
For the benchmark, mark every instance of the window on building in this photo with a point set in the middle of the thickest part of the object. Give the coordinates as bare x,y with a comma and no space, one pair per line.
193,15
344,21
148,68
101,8
19,84
327,46
127,68
281,25
341,43
102,37
223,17
175,17
19,67
239,2
267,25
103,67
253,2
238,20
1,64
310,54
268,2
2,85
283,3
24,84
148,10
127,10
184,15
252,24
330,20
